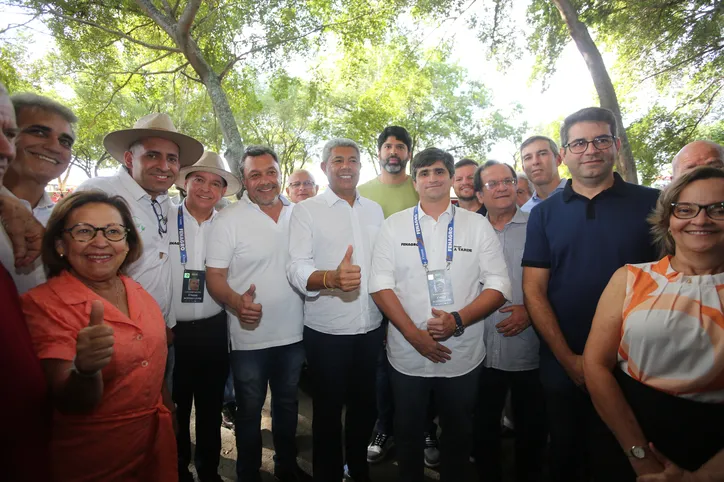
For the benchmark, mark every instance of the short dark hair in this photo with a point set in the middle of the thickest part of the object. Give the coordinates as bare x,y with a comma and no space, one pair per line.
194,172
465,162
478,181
254,151
56,224
428,157
398,132
589,114
532,139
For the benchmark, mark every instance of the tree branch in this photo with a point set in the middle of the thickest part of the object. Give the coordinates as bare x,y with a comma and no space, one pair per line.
19,25
187,18
157,16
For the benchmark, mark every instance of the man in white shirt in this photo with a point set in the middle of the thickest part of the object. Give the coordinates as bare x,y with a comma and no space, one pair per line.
200,334
437,271
246,262
541,158
44,142
511,346
331,240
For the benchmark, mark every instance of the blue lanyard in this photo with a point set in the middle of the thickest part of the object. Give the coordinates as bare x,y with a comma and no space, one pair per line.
421,242
182,235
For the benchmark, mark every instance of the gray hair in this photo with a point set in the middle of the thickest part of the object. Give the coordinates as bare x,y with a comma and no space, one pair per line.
338,142
28,100
522,175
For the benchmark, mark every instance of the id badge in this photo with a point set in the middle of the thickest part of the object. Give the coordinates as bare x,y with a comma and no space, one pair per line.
439,285
193,286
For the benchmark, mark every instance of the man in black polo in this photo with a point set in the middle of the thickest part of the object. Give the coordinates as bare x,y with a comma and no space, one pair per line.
575,241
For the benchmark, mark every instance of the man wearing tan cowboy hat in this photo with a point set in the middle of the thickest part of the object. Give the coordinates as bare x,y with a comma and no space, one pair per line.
200,334
246,260
151,154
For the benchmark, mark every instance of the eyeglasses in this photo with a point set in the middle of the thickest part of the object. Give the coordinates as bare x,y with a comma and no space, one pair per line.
296,184
692,210
505,182
85,232
162,221
579,146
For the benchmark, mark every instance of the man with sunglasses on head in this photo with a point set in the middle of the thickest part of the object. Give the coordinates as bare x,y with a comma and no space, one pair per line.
301,185
575,241
151,154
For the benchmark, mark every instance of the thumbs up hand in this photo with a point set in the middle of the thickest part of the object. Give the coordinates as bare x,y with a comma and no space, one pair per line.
94,345
347,276
248,311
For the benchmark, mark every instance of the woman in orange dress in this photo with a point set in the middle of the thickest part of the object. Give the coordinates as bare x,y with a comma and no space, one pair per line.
101,339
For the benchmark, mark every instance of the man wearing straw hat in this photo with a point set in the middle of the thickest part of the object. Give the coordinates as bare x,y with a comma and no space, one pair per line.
151,154
200,341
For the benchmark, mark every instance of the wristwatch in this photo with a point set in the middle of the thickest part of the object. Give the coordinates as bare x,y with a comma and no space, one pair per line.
459,328
636,452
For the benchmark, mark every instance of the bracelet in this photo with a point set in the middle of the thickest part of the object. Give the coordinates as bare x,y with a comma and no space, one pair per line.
324,280
74,369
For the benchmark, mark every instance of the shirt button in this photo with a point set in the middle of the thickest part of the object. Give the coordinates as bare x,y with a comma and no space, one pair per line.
139,337
144,363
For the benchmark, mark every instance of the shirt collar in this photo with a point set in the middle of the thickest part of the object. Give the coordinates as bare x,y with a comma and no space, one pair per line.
45,201
618,188
130,185
245,198
188,214
518,218
448,211
331,197
561,185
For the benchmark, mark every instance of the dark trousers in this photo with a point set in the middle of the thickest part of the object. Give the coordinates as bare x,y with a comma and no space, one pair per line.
581,445
454,402
201,368
530,424
342,373
278,367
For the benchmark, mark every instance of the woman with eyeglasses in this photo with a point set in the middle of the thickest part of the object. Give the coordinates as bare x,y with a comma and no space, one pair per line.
654,360
101,339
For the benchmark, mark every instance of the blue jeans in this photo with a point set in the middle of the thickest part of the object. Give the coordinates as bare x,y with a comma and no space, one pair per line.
229,396
280,368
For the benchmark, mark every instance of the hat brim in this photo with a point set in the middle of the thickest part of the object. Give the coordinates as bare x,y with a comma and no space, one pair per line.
118,142
233,185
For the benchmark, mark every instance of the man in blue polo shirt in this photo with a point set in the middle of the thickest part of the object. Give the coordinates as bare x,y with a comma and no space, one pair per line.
575,241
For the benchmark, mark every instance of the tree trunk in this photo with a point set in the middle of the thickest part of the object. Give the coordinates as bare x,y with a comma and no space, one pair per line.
625,163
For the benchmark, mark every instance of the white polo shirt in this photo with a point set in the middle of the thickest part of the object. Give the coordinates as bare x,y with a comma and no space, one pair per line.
478,264
196,237
321,229
28,277
153,269
253,247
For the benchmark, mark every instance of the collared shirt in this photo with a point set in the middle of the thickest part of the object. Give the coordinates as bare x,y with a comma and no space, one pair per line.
582,242
535,200
519,352
477,264
322,227
255,249
196,237
153,269
28,277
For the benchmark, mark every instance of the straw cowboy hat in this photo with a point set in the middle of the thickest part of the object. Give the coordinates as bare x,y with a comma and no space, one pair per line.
210,162
153,125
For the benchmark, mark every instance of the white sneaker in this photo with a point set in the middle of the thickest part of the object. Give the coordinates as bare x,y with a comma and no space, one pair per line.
377,450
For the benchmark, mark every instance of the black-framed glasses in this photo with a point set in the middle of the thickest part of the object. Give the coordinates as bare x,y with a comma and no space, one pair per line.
296,184
579,146
85,232
692,210
162,220
490,185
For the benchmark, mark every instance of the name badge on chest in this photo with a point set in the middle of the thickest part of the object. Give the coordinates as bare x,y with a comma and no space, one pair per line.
439,285
193,286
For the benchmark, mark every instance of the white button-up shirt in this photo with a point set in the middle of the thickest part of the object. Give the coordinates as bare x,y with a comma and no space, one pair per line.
196,237
519,352
322,227
153,269
254,248
477,264
28,277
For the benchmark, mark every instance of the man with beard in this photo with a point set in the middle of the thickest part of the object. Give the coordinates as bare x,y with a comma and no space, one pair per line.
392,189
540,163
333,235
44,144
247,273
464,186
301,185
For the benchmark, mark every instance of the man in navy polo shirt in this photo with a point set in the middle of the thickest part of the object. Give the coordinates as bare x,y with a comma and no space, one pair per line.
576,239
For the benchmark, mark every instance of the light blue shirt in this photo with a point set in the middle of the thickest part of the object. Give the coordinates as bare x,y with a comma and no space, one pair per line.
535,200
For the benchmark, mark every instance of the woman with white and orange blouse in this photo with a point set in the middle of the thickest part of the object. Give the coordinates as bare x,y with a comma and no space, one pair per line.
654,360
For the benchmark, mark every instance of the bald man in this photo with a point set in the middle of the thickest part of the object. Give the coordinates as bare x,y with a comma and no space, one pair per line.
301,185
695,154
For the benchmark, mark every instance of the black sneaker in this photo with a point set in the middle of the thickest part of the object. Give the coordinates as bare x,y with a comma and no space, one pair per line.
432,453
228,416
377,450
